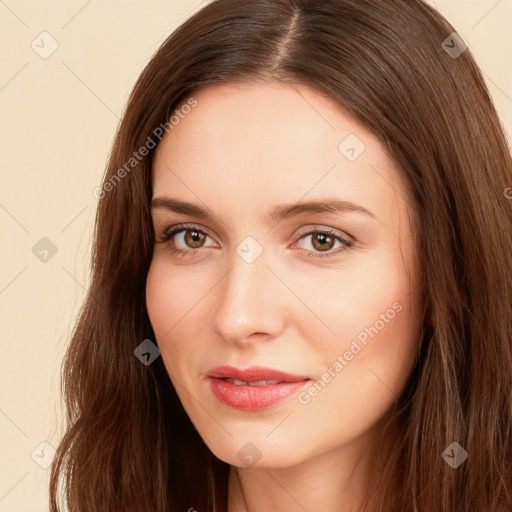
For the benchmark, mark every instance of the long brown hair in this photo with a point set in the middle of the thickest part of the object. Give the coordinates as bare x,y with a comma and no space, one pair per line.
399,69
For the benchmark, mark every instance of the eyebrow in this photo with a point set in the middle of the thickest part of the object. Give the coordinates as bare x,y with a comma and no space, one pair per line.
278,213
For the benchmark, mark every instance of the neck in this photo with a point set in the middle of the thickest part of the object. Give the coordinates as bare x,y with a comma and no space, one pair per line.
332,480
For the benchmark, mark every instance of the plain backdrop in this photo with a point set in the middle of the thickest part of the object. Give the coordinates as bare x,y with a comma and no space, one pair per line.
67,69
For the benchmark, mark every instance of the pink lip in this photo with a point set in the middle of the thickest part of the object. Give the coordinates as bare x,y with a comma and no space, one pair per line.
254,374
252,398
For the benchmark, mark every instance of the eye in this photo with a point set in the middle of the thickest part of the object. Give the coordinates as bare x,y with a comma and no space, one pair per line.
323,241
193,238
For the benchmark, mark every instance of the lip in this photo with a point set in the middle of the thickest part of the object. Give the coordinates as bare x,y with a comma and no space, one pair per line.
254,374
252,398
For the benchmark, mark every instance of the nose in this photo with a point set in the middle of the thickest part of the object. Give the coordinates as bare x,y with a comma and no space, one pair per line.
250,302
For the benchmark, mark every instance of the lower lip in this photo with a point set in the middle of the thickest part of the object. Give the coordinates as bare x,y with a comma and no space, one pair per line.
253,398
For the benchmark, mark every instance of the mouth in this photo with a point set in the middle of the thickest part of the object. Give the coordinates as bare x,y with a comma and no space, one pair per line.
254,375
237,382
253,388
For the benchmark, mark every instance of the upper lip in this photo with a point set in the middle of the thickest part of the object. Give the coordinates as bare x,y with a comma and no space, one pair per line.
254,374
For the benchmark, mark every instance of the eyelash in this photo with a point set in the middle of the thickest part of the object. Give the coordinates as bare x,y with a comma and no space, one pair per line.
170,232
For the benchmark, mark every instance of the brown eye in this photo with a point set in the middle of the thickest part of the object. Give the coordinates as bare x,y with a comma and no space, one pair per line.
194,239
185,239
322,241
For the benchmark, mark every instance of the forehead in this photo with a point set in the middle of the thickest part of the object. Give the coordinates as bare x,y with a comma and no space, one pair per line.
255,117
252,144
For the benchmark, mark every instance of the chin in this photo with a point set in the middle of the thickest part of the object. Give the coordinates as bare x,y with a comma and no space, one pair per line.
257,453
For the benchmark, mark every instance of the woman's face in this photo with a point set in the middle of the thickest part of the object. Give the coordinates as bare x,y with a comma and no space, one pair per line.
276,279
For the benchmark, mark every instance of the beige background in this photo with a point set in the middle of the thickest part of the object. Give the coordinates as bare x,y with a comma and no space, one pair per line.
57,120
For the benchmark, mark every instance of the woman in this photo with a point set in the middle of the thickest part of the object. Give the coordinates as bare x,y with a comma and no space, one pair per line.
301,284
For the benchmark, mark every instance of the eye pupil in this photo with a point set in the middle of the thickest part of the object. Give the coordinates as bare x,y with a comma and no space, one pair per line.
194,238
323,239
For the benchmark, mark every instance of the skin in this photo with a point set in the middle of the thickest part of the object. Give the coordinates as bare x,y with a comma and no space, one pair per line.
242,150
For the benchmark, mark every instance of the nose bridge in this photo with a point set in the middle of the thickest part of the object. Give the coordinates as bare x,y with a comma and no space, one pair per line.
246,299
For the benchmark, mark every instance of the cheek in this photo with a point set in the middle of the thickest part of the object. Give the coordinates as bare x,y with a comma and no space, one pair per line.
166,303
365,369
382,340
160,298
171,294
372,312
352,298
173,301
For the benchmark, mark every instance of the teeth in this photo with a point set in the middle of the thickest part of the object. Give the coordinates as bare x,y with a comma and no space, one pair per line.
237,382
